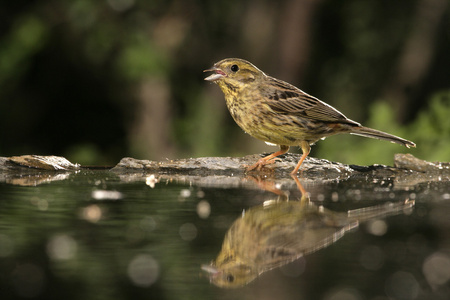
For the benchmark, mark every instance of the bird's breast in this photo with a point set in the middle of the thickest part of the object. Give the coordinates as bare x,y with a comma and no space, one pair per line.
245,111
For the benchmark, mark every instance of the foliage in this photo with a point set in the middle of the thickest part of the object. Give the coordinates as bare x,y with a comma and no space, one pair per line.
431,129
428,131
72,73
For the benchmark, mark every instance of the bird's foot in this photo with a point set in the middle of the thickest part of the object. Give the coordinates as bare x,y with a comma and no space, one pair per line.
260,164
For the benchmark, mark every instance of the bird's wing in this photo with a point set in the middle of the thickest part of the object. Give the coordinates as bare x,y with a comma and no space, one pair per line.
285,98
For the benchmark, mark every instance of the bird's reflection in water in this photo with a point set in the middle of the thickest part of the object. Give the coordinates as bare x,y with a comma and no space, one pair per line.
280,231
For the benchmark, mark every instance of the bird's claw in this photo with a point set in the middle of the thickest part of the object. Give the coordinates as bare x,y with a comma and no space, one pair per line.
260,164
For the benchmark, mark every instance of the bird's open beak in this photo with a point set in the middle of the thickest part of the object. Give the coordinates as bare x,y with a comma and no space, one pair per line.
211,270
218,74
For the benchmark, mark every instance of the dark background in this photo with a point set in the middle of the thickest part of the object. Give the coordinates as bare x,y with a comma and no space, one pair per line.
95,81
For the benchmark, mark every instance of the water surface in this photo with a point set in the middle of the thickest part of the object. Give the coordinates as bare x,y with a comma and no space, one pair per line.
94,234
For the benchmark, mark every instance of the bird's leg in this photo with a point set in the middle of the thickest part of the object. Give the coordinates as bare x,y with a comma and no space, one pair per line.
270,186
269,159
304,200
305,149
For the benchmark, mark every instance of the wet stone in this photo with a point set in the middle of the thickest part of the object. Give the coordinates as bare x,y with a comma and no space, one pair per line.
38,162
408,161
408,170
235,166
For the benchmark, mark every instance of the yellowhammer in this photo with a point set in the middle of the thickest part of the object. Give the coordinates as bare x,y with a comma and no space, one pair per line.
278,113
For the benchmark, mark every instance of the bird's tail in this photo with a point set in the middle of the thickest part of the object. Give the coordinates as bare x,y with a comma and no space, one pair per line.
376,134
380,211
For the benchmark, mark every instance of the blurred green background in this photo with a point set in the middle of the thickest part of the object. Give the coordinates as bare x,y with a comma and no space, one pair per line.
95,81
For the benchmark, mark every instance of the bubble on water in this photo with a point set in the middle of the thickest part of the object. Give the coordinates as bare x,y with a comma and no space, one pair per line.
106,195
143,270
436,269
188,231
147,223
185,193
377,227
203,209
402,285
334,196
61,247
42,204
92,213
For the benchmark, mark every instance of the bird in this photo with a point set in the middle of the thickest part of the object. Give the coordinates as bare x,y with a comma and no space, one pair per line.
279,113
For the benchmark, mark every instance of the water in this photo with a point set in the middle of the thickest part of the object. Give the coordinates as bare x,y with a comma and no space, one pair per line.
98,235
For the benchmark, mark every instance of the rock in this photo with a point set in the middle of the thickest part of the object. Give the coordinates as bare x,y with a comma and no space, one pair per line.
408,161
234,166
32,170
38,162
228,171
202,164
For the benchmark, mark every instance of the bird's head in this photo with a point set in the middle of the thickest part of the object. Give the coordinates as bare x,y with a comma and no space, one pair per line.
230,275
235,72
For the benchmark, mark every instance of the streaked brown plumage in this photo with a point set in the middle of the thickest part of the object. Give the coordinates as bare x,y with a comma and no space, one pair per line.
279,113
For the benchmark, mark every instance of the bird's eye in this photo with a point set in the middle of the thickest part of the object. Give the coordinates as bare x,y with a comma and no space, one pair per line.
230,278
234,68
